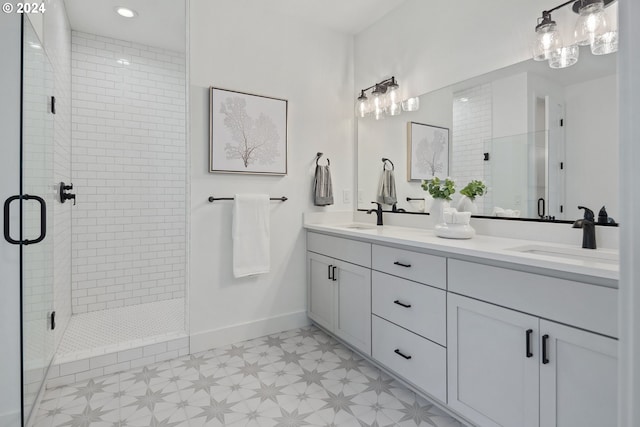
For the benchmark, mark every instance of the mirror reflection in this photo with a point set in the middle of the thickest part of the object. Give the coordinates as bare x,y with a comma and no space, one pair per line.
542,141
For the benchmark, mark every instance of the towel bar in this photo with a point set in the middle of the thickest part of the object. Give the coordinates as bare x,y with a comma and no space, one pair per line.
213,199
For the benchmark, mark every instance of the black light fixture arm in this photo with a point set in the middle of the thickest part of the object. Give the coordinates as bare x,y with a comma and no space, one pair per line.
383,85
548,12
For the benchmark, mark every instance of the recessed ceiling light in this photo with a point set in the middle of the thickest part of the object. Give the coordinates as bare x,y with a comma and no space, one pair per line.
463,99
126,12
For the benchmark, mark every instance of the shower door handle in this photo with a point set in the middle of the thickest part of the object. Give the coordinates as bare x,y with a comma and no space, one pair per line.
43,220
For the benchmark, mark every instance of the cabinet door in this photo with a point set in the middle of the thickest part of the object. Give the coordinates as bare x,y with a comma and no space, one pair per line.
493,373
353,322
320,291
578,384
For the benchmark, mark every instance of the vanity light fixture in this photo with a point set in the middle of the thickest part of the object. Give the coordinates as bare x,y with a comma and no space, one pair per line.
592,29
385,100
125,12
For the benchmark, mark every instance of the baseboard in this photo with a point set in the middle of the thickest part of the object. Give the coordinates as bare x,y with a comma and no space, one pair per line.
206,340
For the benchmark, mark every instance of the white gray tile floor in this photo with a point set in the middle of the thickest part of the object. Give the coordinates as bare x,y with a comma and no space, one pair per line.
296,378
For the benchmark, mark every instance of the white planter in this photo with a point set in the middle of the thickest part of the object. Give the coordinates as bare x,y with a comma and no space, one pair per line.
465,204
437,210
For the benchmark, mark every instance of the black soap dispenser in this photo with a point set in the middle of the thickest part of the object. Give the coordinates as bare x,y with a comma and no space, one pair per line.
603,217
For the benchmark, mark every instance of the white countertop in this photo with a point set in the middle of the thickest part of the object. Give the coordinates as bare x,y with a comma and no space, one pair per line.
488,247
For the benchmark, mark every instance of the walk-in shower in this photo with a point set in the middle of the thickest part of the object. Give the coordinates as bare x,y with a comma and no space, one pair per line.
102,277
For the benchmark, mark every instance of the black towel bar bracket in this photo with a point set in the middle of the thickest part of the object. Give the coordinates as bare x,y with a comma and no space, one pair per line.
213,199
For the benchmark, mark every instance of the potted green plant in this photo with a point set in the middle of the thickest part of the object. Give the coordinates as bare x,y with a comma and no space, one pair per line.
441,191
469,193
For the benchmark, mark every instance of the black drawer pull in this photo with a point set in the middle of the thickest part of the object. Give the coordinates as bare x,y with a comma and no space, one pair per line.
402,265
528,338
399,353
402,304
333,273
329,272
545,356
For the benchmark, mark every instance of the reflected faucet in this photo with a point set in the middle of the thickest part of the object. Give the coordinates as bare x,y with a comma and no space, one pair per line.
588,228
378,212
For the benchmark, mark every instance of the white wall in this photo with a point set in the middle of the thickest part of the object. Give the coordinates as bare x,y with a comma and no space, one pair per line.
129,173
428,45
10,46
242,45
592,181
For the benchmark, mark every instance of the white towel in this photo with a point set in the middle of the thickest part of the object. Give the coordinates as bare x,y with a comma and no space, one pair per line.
250,233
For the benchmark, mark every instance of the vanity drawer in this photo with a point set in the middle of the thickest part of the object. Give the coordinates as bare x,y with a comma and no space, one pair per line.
583,305
427,314
424,363
336,247
419,267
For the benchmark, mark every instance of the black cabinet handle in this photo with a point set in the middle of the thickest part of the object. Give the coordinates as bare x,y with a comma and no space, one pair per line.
333,273
529,332
329,272
399,353
545,356
401,264
402,304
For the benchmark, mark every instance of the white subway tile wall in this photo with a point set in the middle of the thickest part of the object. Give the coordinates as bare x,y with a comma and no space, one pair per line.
472,131
129,173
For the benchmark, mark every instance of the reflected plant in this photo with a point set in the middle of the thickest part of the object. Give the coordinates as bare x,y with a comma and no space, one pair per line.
439,189
474,189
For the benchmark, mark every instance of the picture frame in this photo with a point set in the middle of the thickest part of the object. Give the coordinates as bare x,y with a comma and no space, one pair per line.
247,133
427,151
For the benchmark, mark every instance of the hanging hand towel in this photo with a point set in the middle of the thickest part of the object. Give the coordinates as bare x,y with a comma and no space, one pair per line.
387,188
322,187
250,233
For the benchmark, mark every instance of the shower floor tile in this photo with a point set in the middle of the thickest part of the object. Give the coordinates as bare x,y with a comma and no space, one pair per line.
108,331
296,378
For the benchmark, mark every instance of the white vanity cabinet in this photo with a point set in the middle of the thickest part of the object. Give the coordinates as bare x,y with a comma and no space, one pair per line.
339,291
500,343
508,368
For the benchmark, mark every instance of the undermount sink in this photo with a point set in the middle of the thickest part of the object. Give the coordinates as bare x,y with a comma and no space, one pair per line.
356,226
588,255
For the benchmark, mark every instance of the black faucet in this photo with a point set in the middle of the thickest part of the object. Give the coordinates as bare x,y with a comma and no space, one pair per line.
378,212
588,228
395,208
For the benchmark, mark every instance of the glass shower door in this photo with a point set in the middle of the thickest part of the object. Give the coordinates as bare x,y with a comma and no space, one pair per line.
37,205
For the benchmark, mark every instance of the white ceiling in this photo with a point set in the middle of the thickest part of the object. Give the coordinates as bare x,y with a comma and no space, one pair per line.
161,23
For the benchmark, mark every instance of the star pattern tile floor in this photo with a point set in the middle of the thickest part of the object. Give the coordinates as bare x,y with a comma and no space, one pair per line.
296,378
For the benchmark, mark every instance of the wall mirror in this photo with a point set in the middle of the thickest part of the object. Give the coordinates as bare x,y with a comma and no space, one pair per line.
543,140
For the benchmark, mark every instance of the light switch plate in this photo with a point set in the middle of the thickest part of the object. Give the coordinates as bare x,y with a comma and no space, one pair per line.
346,196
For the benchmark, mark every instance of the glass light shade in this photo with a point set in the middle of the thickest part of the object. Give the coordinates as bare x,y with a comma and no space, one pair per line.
547,40
605,43
377,106
393,106
363,107
564,57
411,104
591,23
